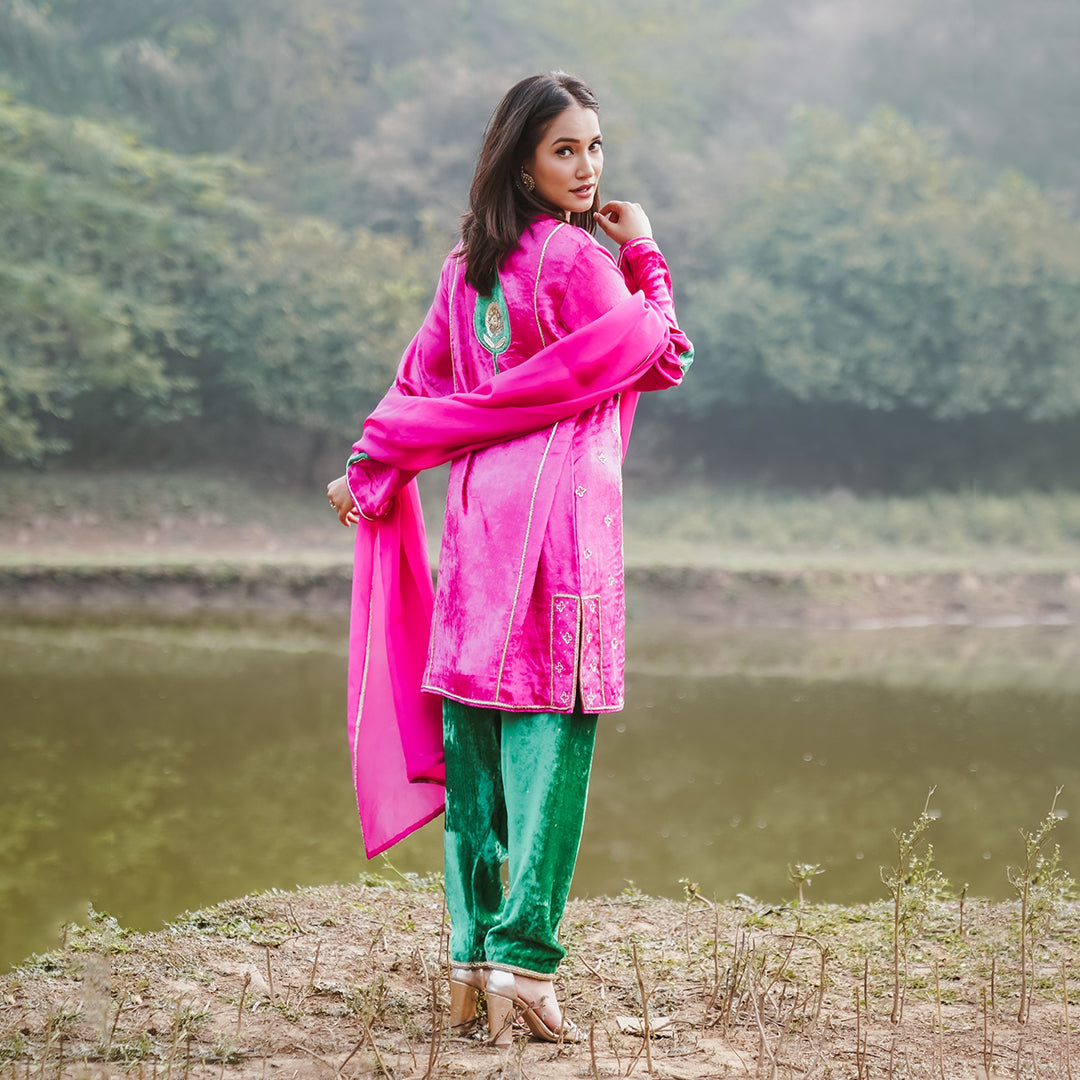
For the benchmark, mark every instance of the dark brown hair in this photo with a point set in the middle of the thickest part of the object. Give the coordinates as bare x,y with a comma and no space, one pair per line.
500,206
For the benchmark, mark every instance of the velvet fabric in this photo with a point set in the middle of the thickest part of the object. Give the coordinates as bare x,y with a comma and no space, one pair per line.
530,603
516,785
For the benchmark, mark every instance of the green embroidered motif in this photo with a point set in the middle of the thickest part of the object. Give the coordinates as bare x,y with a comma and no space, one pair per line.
686,359
491,323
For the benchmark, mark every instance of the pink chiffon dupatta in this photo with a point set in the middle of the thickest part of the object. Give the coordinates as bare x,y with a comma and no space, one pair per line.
395,729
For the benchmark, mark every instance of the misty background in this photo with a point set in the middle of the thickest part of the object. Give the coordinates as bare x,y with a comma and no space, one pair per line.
852,537
222,220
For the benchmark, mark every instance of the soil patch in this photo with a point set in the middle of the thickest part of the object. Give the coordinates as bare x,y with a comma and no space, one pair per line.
350,981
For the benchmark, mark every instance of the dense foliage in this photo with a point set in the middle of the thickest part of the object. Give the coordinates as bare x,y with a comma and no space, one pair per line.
104,241
138,287
219,215
873,271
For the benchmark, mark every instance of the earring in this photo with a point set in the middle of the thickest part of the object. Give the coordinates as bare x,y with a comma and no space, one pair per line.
527,181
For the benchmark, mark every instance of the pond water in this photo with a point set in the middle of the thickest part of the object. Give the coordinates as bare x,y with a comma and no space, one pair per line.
149,768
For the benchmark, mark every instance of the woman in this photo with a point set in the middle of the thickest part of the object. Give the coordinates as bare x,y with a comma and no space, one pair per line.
544,340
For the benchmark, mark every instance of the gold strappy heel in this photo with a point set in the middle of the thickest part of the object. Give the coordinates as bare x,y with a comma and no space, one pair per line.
465,987
510,996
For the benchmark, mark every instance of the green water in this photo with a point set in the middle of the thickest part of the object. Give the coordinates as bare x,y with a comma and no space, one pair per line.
151,768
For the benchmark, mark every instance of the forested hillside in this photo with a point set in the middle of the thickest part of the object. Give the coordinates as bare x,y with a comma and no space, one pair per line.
220,221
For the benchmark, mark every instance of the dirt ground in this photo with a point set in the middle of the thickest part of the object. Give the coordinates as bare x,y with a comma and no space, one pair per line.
350,981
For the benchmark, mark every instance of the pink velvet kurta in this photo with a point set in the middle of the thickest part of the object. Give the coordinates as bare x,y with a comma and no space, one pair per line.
530,606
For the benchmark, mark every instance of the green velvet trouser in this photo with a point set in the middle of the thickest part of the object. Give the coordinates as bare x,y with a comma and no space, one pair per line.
516,785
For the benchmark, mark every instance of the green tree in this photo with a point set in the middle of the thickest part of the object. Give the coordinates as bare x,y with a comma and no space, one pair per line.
137,287
306,328
996,76
874,271
366,112
102,240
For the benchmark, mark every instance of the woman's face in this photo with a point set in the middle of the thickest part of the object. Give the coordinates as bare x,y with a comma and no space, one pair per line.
568,160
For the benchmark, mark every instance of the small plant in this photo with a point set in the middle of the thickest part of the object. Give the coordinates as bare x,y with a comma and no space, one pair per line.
1042,885
802,875
226,1050
914,884
185,1020
368,1001
139,1049
13,1048
60,1021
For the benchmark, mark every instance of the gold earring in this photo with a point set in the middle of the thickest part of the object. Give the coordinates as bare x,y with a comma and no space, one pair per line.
527,180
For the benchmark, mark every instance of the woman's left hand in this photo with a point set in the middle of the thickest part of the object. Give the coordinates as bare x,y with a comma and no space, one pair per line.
337,491
623,221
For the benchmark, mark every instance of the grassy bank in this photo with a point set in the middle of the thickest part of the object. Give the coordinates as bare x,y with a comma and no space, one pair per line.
349,981
937,530
143,516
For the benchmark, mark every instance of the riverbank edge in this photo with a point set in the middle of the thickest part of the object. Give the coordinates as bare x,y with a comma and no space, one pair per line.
797,597
312,979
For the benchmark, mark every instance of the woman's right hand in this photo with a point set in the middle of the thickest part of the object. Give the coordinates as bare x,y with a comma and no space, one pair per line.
341,501
623,221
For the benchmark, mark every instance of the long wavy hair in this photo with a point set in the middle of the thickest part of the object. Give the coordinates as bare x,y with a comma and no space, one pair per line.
500,206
